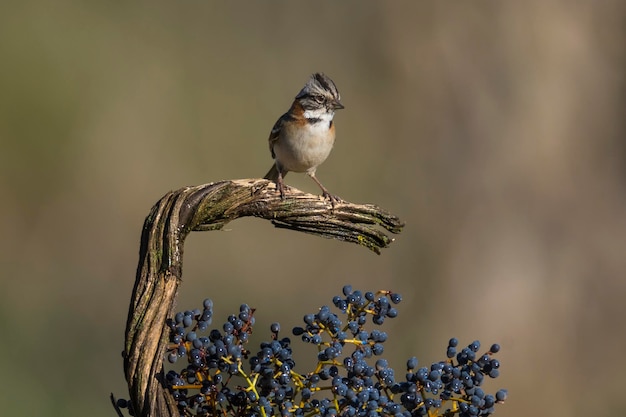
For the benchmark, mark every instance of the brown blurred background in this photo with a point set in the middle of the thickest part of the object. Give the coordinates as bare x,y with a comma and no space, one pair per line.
495,130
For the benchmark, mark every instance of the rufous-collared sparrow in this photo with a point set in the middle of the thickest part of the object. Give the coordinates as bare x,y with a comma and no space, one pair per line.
303,137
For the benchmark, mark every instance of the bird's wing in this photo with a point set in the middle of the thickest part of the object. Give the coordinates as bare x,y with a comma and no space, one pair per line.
275,133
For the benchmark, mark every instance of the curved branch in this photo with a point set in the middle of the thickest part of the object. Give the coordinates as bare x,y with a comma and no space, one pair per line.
210,207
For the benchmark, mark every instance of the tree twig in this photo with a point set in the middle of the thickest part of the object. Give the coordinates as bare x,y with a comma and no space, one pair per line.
210,207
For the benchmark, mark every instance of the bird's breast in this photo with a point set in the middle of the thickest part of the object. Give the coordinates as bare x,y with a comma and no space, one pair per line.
305,146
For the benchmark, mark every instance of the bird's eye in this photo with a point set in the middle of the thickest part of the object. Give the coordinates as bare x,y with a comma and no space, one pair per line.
318,99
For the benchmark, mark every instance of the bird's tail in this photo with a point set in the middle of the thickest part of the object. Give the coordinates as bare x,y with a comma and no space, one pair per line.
272,174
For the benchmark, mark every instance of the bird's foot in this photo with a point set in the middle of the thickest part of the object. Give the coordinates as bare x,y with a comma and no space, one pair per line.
333,198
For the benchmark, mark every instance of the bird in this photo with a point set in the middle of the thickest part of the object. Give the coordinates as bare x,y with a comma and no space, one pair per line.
302,138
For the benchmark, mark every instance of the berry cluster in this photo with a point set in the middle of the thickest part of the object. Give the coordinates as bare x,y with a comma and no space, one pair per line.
222,377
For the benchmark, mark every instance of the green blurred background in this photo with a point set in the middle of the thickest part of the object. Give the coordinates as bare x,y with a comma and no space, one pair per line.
494,129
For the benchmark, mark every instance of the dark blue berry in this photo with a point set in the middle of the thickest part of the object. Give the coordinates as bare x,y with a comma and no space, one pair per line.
395,298
474,346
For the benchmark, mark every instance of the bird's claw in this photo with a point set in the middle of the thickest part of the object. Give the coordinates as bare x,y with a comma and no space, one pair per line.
333,198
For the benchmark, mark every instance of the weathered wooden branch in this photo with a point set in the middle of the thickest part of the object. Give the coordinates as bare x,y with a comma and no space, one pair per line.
210,207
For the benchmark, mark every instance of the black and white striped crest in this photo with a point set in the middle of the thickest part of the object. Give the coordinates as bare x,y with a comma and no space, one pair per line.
320,91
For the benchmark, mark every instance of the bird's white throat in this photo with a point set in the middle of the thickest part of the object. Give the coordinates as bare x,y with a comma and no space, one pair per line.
322,115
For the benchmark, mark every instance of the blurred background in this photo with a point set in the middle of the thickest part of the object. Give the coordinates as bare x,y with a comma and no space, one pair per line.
495,130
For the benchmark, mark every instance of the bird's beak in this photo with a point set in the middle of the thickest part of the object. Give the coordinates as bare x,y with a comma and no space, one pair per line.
337,105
